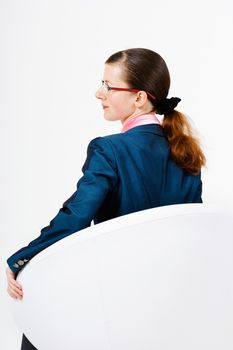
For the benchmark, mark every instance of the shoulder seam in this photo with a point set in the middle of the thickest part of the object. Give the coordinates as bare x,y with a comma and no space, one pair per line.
110,146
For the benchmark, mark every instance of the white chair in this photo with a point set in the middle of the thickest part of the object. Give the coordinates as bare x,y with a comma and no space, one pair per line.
157,279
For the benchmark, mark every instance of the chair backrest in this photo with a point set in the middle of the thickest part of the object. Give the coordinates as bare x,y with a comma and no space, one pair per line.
156,279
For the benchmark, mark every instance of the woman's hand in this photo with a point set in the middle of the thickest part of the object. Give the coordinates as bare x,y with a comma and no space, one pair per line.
14,289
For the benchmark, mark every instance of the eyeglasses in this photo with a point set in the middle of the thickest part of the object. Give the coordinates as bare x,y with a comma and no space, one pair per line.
108,88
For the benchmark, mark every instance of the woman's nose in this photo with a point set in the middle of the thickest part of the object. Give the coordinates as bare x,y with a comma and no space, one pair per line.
99,93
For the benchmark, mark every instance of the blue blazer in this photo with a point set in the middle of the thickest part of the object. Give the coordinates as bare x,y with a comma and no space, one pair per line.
122,173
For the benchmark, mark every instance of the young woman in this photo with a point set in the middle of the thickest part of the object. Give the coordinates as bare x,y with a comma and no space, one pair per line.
147,164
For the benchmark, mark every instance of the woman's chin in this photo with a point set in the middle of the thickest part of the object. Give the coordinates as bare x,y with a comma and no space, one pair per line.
108,116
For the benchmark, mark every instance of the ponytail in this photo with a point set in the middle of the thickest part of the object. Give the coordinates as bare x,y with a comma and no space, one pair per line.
185,148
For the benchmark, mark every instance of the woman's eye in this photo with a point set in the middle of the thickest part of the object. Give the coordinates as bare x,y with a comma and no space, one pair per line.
107,87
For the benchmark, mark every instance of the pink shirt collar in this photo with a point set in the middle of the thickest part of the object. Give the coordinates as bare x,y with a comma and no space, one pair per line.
140,120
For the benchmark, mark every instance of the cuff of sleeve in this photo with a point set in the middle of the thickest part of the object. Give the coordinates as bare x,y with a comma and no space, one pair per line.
18,265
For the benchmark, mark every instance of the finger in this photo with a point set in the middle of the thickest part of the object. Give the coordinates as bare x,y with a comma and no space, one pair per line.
15,289
14,294
15,286
15,283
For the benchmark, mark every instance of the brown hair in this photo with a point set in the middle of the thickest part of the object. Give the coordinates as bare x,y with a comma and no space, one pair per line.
146,70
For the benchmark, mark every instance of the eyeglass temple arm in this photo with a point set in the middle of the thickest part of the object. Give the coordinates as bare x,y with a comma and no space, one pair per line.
133,90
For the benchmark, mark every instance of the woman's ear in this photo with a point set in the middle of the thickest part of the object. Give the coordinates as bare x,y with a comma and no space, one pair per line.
141,98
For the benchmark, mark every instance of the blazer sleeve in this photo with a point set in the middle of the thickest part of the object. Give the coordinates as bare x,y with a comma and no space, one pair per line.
99,177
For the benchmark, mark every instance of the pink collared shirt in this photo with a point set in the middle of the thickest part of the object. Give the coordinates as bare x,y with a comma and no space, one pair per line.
140,120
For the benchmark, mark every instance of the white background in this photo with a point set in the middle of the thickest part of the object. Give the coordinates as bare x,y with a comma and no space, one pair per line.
52,56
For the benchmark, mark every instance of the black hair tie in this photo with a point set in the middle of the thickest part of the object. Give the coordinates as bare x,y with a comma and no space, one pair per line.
167,105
